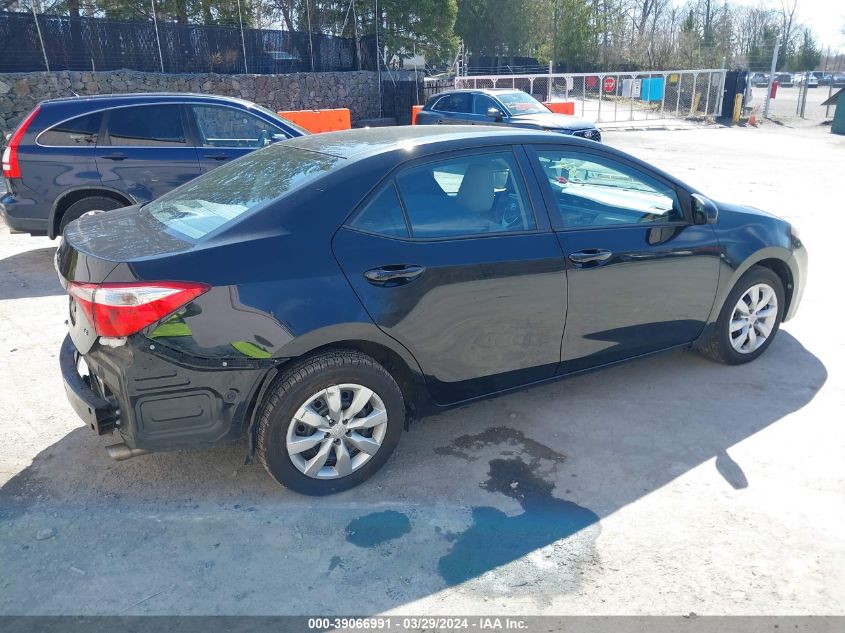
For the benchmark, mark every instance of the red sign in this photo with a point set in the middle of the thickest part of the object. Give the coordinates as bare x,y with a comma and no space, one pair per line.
609,84
591,82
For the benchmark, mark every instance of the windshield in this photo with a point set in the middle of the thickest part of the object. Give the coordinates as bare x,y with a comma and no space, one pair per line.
218,197
520,102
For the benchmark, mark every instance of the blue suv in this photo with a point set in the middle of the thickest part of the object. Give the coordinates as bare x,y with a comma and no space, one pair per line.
70,156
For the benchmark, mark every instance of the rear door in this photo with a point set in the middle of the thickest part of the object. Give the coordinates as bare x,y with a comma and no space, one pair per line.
642,277
224,133
145,150
461,271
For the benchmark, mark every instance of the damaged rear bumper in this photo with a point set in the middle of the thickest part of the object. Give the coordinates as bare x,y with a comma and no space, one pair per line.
155,398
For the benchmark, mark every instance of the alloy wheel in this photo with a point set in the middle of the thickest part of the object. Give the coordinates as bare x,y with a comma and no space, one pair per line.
336,431
753,319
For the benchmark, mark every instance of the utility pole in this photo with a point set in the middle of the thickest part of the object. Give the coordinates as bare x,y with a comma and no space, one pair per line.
771,77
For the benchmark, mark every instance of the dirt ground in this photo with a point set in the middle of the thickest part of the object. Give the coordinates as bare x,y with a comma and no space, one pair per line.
666,486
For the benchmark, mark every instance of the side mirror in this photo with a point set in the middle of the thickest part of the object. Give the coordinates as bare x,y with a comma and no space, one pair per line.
494,114
704,210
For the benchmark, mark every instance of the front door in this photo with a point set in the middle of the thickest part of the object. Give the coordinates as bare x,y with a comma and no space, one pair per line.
642,277
146,151
461,271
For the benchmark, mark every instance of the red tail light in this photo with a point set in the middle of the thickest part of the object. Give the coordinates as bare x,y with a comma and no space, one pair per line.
121,309
11,166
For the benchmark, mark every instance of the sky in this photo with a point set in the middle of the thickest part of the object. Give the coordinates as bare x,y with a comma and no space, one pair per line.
826,19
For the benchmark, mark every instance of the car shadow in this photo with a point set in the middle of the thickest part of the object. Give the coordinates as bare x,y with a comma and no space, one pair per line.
30,274
504,497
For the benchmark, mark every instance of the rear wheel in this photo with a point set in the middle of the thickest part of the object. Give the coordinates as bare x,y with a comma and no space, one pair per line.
330,422
81,207
749,319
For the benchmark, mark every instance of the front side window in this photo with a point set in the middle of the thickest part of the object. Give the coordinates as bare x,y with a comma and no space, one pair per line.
79,132
455,102
482,103
595,191
220,126
467,195
147,126
207,203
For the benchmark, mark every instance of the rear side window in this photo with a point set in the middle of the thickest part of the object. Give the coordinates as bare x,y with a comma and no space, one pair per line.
214,199
455,102
469,195
79,132
382,215
142,126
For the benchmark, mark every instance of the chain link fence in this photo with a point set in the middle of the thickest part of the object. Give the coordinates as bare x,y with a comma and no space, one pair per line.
30,42
800,100
623,96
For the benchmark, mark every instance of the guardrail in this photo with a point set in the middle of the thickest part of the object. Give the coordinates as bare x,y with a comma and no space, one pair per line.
620,96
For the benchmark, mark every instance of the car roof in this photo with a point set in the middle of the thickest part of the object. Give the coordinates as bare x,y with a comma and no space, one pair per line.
143,97
487,91
361,143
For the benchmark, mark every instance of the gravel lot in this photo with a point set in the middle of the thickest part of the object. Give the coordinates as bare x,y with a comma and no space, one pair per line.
665,486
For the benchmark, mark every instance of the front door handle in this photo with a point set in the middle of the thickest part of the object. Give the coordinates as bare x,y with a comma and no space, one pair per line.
115,156
397,274
220,156
590,255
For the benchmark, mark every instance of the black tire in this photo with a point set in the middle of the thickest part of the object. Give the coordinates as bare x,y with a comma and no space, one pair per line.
80,207
719,347
294,387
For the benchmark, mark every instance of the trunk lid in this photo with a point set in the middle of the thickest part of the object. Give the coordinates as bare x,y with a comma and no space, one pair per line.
97,244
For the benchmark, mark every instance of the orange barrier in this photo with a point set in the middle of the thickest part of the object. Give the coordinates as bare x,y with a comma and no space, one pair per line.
319,120
414,110
561,107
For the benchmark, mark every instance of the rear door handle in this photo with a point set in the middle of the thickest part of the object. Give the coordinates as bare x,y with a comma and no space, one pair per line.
220,156
590,255
399,274
115,156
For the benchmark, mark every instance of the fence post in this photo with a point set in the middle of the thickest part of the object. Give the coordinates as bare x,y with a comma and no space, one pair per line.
693,105
663,96
158,41
678,99
771,77
40,38
549,86
243,41
601,90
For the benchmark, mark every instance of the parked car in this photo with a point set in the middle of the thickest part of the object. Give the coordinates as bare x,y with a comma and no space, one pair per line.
837,79
812,80
513,108
759,79
784,80
822,77
71,156
318,294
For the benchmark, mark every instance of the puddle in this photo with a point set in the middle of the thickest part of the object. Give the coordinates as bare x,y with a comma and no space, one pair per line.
503,435
495,539
376,528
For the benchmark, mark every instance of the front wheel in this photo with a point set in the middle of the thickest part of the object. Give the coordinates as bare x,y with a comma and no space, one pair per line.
330,422
749,320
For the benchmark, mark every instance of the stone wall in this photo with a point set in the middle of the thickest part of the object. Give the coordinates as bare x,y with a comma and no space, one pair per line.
358,91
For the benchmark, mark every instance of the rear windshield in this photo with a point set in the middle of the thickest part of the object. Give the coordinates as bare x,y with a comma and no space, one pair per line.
207,203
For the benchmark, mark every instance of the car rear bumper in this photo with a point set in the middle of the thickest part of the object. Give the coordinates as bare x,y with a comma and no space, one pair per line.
156,403
24,215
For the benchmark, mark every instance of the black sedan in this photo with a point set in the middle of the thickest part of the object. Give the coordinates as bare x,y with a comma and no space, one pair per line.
513,108
318,294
